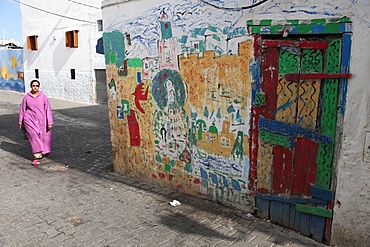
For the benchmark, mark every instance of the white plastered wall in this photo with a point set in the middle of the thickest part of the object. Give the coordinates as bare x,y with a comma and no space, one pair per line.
54,61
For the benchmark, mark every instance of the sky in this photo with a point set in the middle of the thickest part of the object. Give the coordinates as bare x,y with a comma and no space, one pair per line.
10,20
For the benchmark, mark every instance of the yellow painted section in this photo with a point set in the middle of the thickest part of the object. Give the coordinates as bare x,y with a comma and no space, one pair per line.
264,167
309,92
286,92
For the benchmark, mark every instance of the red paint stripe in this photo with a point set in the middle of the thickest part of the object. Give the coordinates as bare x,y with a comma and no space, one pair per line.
270,73
297,77
282,173
253,139
253,148
134,129
304,171
320,45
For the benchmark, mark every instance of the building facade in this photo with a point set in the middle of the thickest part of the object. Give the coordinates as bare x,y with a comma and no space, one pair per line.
260,105
60,49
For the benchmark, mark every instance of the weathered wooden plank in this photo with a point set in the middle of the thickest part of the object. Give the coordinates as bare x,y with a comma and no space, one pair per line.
282,174
298,77
264,167
308,101
275,139
304,166
276,212
321,193
296,219
255,110
263,208
314,210
287,93
321,45
292,130
292,200
286,214
329,113
317,228
293,214
305,225
269,82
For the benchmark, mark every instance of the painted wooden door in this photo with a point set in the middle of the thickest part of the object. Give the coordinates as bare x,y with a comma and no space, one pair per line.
293,132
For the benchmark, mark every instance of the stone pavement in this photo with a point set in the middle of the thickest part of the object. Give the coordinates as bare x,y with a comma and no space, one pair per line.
73,198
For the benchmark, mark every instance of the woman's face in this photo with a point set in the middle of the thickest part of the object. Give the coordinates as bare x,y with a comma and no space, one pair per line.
35,87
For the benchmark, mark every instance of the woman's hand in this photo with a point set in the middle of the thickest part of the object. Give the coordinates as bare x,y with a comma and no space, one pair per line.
20,126
50,126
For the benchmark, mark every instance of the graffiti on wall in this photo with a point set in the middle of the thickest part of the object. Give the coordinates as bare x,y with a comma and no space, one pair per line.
181,96
11,70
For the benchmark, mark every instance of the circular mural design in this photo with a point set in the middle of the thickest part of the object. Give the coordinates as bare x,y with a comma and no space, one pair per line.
169,90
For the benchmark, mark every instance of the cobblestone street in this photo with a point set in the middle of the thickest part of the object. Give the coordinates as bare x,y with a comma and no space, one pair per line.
74,198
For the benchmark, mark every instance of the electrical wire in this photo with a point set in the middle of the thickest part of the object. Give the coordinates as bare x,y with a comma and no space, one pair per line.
232,8
84,4
42,10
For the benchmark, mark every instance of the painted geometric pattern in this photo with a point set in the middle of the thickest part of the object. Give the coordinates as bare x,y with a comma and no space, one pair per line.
312,61
286,99
330,91
308,103
297,102
315,26
287,90
265,154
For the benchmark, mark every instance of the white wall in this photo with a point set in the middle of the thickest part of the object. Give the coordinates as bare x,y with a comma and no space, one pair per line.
53,59
351,210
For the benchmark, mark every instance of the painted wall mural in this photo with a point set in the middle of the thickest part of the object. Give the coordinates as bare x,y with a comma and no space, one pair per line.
201,102
180,96
11,70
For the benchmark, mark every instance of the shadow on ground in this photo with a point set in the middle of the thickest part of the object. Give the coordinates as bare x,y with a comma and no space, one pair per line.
81,141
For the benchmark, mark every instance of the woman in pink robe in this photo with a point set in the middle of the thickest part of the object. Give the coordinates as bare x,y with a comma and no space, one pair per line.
36,116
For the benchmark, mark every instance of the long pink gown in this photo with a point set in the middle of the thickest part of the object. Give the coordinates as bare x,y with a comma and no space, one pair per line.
35,114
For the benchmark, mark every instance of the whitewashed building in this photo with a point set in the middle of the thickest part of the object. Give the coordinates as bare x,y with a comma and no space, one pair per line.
60,40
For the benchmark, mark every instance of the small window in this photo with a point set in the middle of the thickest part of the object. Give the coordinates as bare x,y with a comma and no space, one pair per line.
73,74
37,73
72,39
32,43
100,25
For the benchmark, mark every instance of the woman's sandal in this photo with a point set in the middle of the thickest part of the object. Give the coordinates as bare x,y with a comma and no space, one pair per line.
35,162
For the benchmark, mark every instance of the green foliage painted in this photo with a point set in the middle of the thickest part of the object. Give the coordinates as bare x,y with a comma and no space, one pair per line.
238,148
274,139
188,167
134,62
167,167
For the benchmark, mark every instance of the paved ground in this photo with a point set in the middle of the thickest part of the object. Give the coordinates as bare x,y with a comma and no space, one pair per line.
73,198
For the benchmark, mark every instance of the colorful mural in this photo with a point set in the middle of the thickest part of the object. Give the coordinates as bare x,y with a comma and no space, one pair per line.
11,70
180,97
213,108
